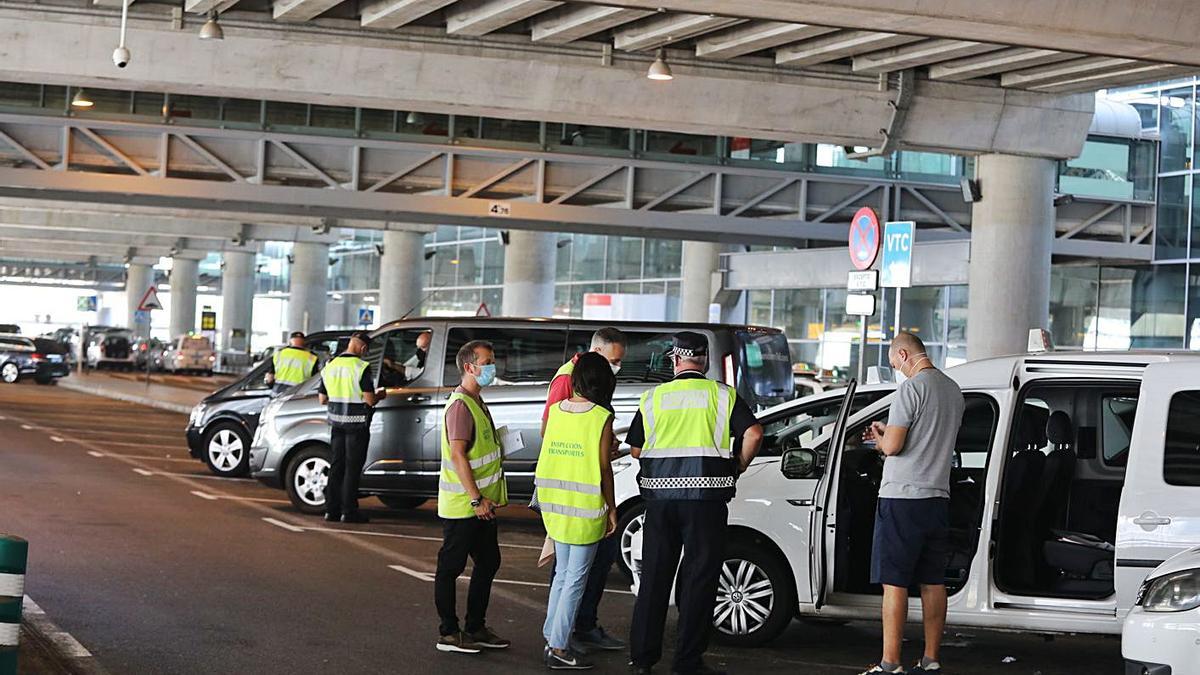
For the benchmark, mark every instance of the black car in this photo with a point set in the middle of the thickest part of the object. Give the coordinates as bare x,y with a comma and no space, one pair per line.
222,425
43,360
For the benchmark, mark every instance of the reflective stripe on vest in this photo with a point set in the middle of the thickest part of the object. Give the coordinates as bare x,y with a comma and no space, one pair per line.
293,365
568,475
688,448
486,460
342,377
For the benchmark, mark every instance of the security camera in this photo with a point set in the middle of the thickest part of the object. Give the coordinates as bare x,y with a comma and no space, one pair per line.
238,240
121,57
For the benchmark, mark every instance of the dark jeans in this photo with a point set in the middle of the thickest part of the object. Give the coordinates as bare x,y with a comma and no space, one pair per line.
589,607
463,538
345,469
698,528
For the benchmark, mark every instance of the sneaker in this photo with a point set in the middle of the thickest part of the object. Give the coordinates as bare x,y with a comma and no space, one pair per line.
879,669
333,517
457,643
935,667
355,517
597,639
567,661
484,637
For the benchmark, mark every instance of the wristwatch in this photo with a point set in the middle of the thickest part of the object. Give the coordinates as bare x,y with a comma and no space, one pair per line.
476,502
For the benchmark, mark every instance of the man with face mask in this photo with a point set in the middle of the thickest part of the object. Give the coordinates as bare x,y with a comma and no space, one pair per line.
471,488
589,635
912,518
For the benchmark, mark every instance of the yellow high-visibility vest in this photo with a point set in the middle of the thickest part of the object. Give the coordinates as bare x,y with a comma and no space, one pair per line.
568,476
293,365
688,448
487,465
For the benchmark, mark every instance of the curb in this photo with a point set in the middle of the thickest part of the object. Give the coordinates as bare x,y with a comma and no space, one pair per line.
58,644
128,398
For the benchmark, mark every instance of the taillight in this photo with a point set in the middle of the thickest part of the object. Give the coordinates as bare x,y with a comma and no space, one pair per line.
37,357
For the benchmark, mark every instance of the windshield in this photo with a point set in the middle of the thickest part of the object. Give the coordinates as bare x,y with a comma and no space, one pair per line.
765,376
196,343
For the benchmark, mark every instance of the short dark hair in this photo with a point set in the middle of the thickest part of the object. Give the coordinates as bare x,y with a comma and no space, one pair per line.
609,336
593,379
466,353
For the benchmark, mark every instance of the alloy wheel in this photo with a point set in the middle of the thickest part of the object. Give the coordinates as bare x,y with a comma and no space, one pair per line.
9,373
310,480
631,539
745,598
225,450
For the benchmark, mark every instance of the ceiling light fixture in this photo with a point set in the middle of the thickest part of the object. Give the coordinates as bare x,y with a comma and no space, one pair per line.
414,119
82,100
211,30
659,70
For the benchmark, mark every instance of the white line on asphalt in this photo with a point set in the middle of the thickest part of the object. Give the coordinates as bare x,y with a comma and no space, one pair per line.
61,639
394,535
26,427
143,472
287,526
210,497
423,576
56,439
93,453
154,457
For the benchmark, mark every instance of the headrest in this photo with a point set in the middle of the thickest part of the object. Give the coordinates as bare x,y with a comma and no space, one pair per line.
1059,429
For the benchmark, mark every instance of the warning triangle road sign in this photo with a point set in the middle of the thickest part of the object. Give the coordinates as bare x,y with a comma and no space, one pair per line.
483,310
150,300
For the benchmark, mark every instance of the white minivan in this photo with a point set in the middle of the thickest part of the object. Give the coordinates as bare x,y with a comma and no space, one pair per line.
1075,475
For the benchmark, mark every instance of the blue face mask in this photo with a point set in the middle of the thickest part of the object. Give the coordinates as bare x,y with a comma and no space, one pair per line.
487,375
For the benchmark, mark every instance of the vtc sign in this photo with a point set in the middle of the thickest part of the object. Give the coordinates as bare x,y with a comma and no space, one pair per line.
864,238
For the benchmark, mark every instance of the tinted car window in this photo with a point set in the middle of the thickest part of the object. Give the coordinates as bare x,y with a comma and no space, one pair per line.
645,360
523,355
1181,454
1116,427
48,346
766,367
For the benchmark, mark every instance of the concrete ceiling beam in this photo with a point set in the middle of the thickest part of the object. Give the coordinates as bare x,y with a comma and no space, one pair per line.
301,10
119,220
1136,73
839,45
206,6
755,36
662,30
1065,71
574,22
1164,30
994,63
396,13
919,54
480,17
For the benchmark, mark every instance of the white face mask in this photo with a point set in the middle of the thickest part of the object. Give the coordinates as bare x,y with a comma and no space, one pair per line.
616,368
900,376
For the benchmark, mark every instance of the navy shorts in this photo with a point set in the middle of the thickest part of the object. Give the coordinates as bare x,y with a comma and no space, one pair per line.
911,544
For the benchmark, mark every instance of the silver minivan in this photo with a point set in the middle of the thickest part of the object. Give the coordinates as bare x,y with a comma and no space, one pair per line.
291,445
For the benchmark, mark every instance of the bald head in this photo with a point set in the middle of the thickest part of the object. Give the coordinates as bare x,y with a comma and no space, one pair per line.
907,354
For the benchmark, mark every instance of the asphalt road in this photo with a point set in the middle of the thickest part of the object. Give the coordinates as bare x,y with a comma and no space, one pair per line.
158,567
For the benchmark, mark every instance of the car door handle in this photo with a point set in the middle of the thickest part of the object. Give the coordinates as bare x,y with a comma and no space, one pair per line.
1151,518
417,398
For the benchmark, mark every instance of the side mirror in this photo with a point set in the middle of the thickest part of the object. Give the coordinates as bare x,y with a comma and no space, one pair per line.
799,463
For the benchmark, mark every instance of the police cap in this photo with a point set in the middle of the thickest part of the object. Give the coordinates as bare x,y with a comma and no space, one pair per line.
689,345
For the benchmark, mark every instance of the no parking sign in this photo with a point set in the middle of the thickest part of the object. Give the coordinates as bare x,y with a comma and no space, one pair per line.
864,238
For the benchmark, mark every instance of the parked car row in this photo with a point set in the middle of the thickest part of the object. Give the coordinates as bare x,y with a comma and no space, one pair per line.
42,359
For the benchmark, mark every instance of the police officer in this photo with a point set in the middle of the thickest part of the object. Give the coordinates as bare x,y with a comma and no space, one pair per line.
291,365
347,390
686,435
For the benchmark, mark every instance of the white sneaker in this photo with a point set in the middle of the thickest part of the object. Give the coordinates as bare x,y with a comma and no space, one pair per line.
898,670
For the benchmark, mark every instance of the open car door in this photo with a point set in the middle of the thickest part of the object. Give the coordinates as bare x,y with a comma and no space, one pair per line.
822,525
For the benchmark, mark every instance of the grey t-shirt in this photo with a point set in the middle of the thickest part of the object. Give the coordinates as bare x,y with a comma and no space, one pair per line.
930,405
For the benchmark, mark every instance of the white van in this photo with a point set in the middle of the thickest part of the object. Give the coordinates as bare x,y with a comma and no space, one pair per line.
1061,502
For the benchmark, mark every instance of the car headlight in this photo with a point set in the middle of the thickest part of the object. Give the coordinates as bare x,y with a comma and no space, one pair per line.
1176,592
197,414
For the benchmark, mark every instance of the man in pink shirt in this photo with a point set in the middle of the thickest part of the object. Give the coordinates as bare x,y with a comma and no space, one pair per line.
589,635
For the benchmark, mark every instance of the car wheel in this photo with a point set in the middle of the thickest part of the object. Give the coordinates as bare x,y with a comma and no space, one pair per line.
227,449
756,598
10,373
307,476
401,503
629,527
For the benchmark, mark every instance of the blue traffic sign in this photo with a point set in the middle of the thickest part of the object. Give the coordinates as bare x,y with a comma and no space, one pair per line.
366,317
898,239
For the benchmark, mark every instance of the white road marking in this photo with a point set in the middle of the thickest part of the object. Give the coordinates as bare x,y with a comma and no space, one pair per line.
143,472
65,642
394,535
26,427
287,526
423,576
211,497
93,453
56,439
153,457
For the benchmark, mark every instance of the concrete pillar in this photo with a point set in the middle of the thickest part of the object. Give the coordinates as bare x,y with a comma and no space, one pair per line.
400,274
184,273
1012,229
700,260
309,284
530,260
138,278
237,300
